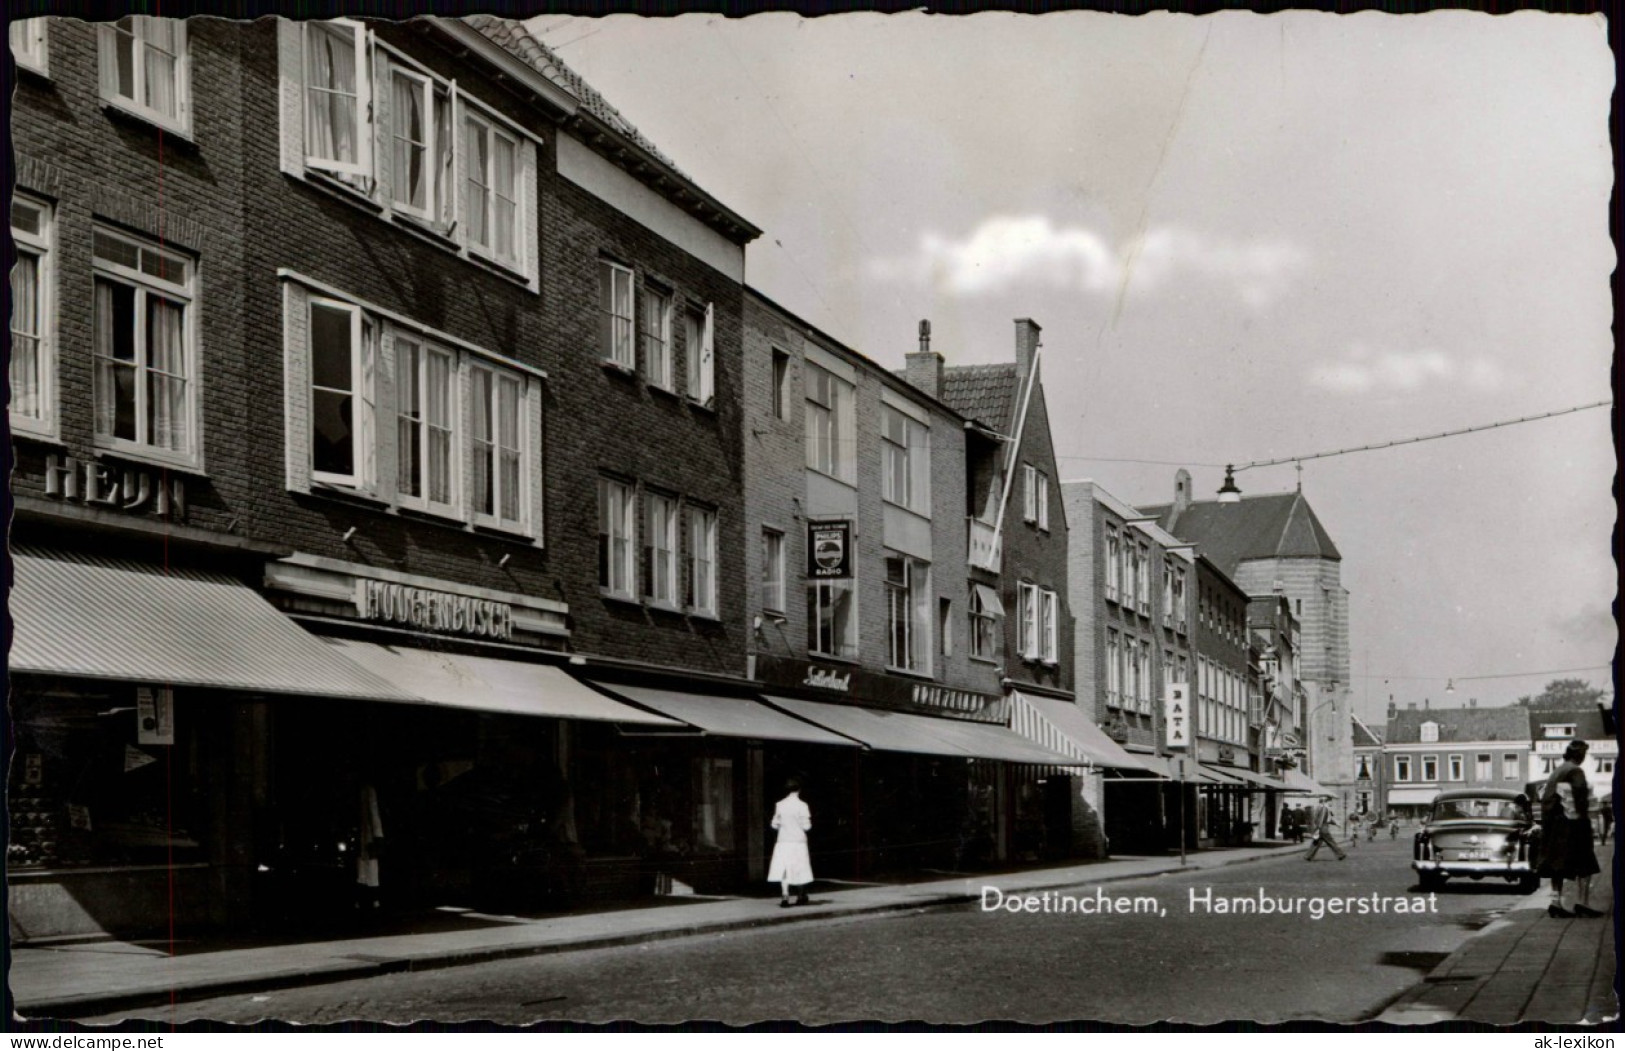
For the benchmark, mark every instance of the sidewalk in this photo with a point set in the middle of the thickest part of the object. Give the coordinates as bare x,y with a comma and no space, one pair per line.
101,977
1526,967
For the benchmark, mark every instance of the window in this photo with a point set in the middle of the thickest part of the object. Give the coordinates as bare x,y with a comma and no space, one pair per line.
1143,694
1113,566
1114,670
145,361
1604,766
906,465
1430,732
1547,765
945,625
28,44
832,623
615,318
1455,766
702,561
1142,577
699,345
144,69
983,624
1430,768
1167,594
1126,575
1509,766
1484,768
424,156
1402,768
1048,615
1560,729
1035,489
654,333
426,425
33,361
1028,625
660,549
1131,673
829,424
491,191
499,454
772,569
908,614
781,384
616,504
416,147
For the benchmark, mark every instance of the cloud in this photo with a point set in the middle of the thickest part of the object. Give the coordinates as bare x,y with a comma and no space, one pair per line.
1365,369
1009,250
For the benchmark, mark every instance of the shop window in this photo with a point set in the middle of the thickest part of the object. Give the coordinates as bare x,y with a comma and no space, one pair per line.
832,622
713,794
33,320
145,350
145,69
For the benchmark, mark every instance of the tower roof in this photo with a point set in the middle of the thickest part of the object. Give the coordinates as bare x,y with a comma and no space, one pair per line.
1273,525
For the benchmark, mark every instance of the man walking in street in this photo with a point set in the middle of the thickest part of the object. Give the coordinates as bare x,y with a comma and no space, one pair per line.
1320,829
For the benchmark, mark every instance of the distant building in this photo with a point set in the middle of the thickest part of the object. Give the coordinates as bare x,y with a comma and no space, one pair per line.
1551,733
1426,750
1368,768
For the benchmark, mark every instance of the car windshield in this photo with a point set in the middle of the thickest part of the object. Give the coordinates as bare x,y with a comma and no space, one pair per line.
1476,809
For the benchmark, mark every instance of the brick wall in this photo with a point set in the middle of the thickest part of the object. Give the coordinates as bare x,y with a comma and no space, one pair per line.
1036,556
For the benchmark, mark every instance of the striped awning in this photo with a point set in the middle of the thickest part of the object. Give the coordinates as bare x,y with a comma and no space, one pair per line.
923,735
86,617
1300,783
728,716
1252,777
1063,727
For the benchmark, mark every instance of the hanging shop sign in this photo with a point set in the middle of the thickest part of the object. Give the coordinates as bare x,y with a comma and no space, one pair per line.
154,715
117,486
1176,711
874,690
433,610
829,550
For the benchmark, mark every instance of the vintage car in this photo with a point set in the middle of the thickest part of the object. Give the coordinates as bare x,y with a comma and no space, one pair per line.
1477,833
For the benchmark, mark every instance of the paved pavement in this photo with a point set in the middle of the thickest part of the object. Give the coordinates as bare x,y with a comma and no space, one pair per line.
1527,967
79,979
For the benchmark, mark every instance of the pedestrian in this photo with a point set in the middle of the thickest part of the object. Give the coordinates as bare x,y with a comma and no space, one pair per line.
1606,815
791,866
1289,824
1320,823
369,848
1393,826
1567,855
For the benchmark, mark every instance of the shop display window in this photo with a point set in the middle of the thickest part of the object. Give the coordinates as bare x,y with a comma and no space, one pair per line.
89,787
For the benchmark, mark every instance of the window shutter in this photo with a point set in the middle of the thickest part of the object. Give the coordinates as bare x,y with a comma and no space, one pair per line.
106,51
183,76
383,128
366,395
296,385
387,432
291,93
535,458
530,214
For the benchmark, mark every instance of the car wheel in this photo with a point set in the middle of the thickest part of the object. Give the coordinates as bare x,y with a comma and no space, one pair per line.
1431,880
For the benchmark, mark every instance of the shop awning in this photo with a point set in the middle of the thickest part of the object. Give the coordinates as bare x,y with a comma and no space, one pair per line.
923,735
1300,783
1411,796
488,684
728,716
1253,778
96,618
1063,727
1217,776
990,599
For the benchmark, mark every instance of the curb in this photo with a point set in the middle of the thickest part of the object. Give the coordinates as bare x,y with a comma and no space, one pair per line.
107,1003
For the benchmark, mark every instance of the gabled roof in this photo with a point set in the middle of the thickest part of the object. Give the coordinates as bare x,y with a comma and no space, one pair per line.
1587,723
985,393
1274,525
514,38
1363,737
1460,725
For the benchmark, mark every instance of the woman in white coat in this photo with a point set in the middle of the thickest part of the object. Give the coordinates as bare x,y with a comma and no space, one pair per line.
791,865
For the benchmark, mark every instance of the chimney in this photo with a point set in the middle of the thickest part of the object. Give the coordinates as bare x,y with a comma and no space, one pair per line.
923,368
1027,331
1392,707
1182,490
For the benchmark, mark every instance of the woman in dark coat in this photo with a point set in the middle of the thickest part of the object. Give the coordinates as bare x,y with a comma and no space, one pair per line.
1566,850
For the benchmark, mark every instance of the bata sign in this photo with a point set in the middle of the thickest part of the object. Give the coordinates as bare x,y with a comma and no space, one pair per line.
1176,715
433,610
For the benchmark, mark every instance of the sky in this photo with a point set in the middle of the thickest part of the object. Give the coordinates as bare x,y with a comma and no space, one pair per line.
1247,238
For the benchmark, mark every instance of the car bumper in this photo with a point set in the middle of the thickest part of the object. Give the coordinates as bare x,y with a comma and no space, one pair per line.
1512,870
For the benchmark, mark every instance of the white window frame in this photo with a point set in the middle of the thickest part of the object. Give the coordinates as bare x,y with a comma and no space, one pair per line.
138,103
502,380
476,120
661,548
30,44
37,245
1029,493
846,646
417,416
1144,697
700,354
1114,569
984,628
363,443
702,561
773,584
618,331
1433,761
830,453
1402,768
1428,733
1042,499
437,205
1483,767
905,446
1605,764
1027,624
1114,669
1456,768
1049,613
654,334
908,615
779,378
1142,574
1509,766
360,108
145,286
617,529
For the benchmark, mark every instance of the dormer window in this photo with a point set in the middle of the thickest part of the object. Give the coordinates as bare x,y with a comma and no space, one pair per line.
1430,732
1560,729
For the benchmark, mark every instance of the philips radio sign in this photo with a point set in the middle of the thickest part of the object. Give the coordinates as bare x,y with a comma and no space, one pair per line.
829,550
